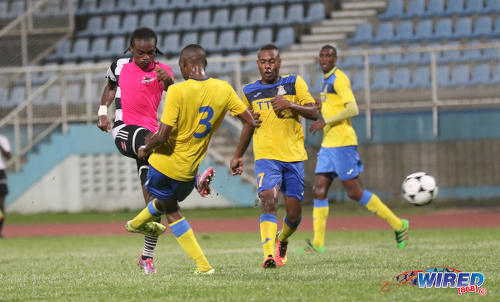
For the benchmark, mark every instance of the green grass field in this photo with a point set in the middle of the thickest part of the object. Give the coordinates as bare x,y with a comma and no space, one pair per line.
103,268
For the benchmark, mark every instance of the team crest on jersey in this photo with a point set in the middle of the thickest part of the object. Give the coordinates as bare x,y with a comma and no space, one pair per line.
147,79
124,146
281,90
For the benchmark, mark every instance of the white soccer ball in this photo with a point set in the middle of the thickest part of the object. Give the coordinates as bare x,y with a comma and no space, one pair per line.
419,188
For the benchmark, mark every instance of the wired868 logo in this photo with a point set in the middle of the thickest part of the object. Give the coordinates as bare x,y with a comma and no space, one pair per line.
440,277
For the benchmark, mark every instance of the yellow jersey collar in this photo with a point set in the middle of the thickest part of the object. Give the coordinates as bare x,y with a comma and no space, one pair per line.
328,74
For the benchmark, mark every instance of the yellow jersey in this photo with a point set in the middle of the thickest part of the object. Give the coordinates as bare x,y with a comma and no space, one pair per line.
335,94
279,137
194,109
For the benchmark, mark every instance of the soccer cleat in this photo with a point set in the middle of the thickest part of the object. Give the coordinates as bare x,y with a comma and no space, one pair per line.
151,228
310,248
281,252
147,265
402,235
269,262
203,181
209,272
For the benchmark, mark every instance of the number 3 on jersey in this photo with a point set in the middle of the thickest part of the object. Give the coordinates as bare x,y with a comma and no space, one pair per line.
205,121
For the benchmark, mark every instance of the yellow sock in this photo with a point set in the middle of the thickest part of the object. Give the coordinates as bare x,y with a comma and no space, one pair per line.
185,237
320,215
375,205
149,213
268,230
287,230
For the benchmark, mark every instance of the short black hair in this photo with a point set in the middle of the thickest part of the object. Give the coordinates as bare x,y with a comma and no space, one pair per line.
143,33
269,47
194,52
328,46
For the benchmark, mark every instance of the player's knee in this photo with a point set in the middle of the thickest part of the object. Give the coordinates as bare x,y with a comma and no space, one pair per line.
355,194
167,206
319,192
269,202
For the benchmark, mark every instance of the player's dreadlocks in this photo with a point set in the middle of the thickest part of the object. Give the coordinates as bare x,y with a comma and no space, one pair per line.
143,33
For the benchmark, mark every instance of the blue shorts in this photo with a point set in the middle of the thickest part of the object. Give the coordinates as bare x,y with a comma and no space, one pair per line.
289,175
343,162
163,187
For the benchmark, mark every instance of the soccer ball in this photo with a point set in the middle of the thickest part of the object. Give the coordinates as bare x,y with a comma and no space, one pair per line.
419,188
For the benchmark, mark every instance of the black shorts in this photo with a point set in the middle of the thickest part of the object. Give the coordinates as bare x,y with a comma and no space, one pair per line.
128,139
4,190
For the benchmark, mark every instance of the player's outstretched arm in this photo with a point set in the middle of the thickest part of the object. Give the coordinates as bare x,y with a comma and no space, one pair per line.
108,96
249,124
160,137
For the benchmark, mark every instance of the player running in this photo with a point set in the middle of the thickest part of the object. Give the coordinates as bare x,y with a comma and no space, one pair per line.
278,145
338,155
194,109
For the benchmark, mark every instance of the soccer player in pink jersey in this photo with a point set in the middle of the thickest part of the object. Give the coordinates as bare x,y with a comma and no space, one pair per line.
136,85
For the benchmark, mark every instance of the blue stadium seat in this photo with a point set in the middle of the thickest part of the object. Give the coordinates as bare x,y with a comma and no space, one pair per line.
481,75
276,15
94,26
393,10
495,80
400,79
141,6
385,33
404,31
183,20
381,79
421,78
53,96
412,57
376,59
463,28
454,7
106,7
179,4
434,8
443,30
316,12
87,7
264,36
3,93
4,13
416,8
363,34
496,30
160,4
423,31
125,6
17,95
472,54
491,54
352,61
393,58
202,19
165,22
473,7
460,76
443,75
189,38
239,16
482,28
295,14
244,41
129,23
286,36
221,18
492,6
226,40
16,9
358,82
209,40
79,50
97,49
171,43
62,48
257,16
111,25
148,20
115,47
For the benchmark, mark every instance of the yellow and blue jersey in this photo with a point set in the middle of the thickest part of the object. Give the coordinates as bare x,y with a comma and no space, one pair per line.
279,137
336,92
194,109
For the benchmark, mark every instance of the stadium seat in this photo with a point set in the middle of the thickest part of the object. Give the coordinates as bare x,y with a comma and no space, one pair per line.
148,20
165,22
460,76
496,30
97,49
129,23
125,6
87,7
376,59
226,40
473,7
443,75
3,94
491,54
94,26
202,19
482,28
183,21
79,50
463,28
434,8
393,58
385,33
244,41
17,95
105,7
449,56
416,8
316,12
495,80
264,36
239,16
286,36
423,31
472,54
421,78
481,75
170,43
352,61
115,47
141,6
221,18
454,7
179,4
62,48
381,79
394,10
411,57
189,38
160,4
209,40
111,25
492,6
52,96
4,12
404,31
16,9
443,30
276,15
400,79
257,16
358,82
363,34
295,14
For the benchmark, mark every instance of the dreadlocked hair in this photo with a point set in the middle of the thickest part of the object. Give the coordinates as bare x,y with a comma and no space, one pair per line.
143,33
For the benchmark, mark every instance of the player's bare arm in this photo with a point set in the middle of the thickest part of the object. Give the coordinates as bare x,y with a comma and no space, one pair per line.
160,137
309,111
249,124
256,117
108,96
